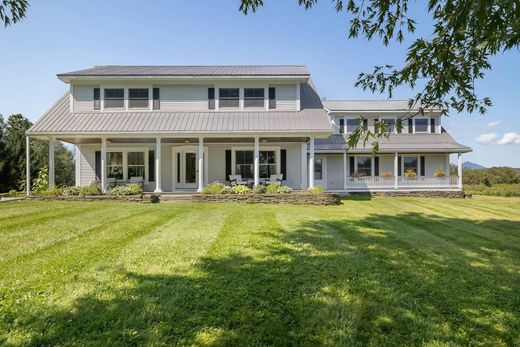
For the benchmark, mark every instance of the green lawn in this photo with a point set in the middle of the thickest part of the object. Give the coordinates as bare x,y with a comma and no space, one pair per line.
382,271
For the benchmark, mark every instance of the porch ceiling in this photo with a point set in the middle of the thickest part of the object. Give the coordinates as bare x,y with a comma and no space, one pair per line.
189,140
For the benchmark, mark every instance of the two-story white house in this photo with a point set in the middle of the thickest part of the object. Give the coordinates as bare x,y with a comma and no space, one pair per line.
177,128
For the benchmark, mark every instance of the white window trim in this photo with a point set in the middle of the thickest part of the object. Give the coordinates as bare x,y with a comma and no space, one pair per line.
125,151
428,124
126,95
356,156
140,108
418,173
276,149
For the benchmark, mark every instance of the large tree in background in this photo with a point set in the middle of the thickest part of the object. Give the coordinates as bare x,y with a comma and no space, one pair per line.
12,155
444,65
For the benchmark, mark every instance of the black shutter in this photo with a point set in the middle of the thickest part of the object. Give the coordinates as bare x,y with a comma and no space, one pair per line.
399,128
351,165
98,166
432,125
410,126
97,99
342,126
376,166
156,99
151,166
228,164
272,98
365,124
399,166
423,165
211,98
283,163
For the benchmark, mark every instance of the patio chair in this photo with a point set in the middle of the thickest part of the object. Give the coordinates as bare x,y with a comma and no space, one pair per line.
276,179
235,180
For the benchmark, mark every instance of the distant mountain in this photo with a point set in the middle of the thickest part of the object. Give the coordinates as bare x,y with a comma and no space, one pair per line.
470,165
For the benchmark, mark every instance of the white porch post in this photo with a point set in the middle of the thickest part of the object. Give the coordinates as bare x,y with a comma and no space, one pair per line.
28,165
201,165
345,170
304,165
459,169
103,164
51,162
257,161
311,162
158,188
447,164
396,170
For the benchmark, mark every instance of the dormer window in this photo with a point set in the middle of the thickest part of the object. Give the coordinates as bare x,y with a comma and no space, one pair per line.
254,97
138,98
115,98
389,124
352,124
228,98
421,125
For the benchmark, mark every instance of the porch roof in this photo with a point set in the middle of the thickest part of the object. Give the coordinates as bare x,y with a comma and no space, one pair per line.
402,143
312,119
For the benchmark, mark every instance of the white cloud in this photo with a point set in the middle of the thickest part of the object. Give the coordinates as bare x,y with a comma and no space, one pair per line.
509,138
493,124
486,138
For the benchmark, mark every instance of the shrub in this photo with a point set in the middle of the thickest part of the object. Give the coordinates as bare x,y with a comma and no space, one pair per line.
13,192
260,189
54,191
316,190
71,191
131,189
272,188
91,189
284,190
213,188
226,190
506,190
240,189
41,182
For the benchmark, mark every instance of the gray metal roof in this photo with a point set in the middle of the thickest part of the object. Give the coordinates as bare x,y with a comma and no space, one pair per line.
59,120
179,71
368,105
403,143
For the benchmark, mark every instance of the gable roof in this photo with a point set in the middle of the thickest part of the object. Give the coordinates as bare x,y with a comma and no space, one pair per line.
311,119
370,106
190,71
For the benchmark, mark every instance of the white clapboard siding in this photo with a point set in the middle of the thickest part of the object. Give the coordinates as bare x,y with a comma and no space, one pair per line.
87,166
83,98
285,97
184,98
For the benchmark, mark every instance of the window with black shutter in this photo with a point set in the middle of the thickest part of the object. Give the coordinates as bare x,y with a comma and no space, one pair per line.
351,165
376,166
156,98
432,125
211,98
423,166
410,126
272,98
283,163
228,164
365,124
97,99
151,166
399,173
341,126
98,166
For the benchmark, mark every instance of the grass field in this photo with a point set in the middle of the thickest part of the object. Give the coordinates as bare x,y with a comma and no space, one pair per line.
383,271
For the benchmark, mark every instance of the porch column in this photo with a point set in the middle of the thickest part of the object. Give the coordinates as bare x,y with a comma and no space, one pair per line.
459,168
257,161
28,165
345,170
447,164
311,162
51,162
103,164
158,188
201,165
396,170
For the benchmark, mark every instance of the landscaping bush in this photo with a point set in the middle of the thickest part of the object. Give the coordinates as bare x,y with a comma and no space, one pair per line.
41,183
260,189
91,189
284,190
55,191
507,190
213,188
241,189
13,193
131,189
316,190
272,188
71,191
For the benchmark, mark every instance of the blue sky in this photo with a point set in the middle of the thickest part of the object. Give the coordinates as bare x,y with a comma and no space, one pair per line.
61,36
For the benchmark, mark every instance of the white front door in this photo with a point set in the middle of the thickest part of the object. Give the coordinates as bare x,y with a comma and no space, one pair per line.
320,171
186,170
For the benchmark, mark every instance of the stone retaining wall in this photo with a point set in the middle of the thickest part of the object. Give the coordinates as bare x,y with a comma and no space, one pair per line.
130,198
293,198
416,193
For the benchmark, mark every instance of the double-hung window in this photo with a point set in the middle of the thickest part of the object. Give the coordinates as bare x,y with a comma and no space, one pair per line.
421,125
254,97
135,165
138,98
352,124
364,166
410,164
389,124
114,98
318,169
228,97
115,165
267,164
244,163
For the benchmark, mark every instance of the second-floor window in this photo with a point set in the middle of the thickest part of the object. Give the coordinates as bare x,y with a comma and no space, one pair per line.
352,124
421,125
254,97
228,98
389,124
115,98
138,98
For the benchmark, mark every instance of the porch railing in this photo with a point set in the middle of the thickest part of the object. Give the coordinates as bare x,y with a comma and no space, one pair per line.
421,182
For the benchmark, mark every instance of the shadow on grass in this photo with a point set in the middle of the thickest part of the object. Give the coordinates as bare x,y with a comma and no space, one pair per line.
405,279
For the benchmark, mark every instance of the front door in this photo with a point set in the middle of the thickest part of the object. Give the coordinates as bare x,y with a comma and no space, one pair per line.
320,171
186,165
